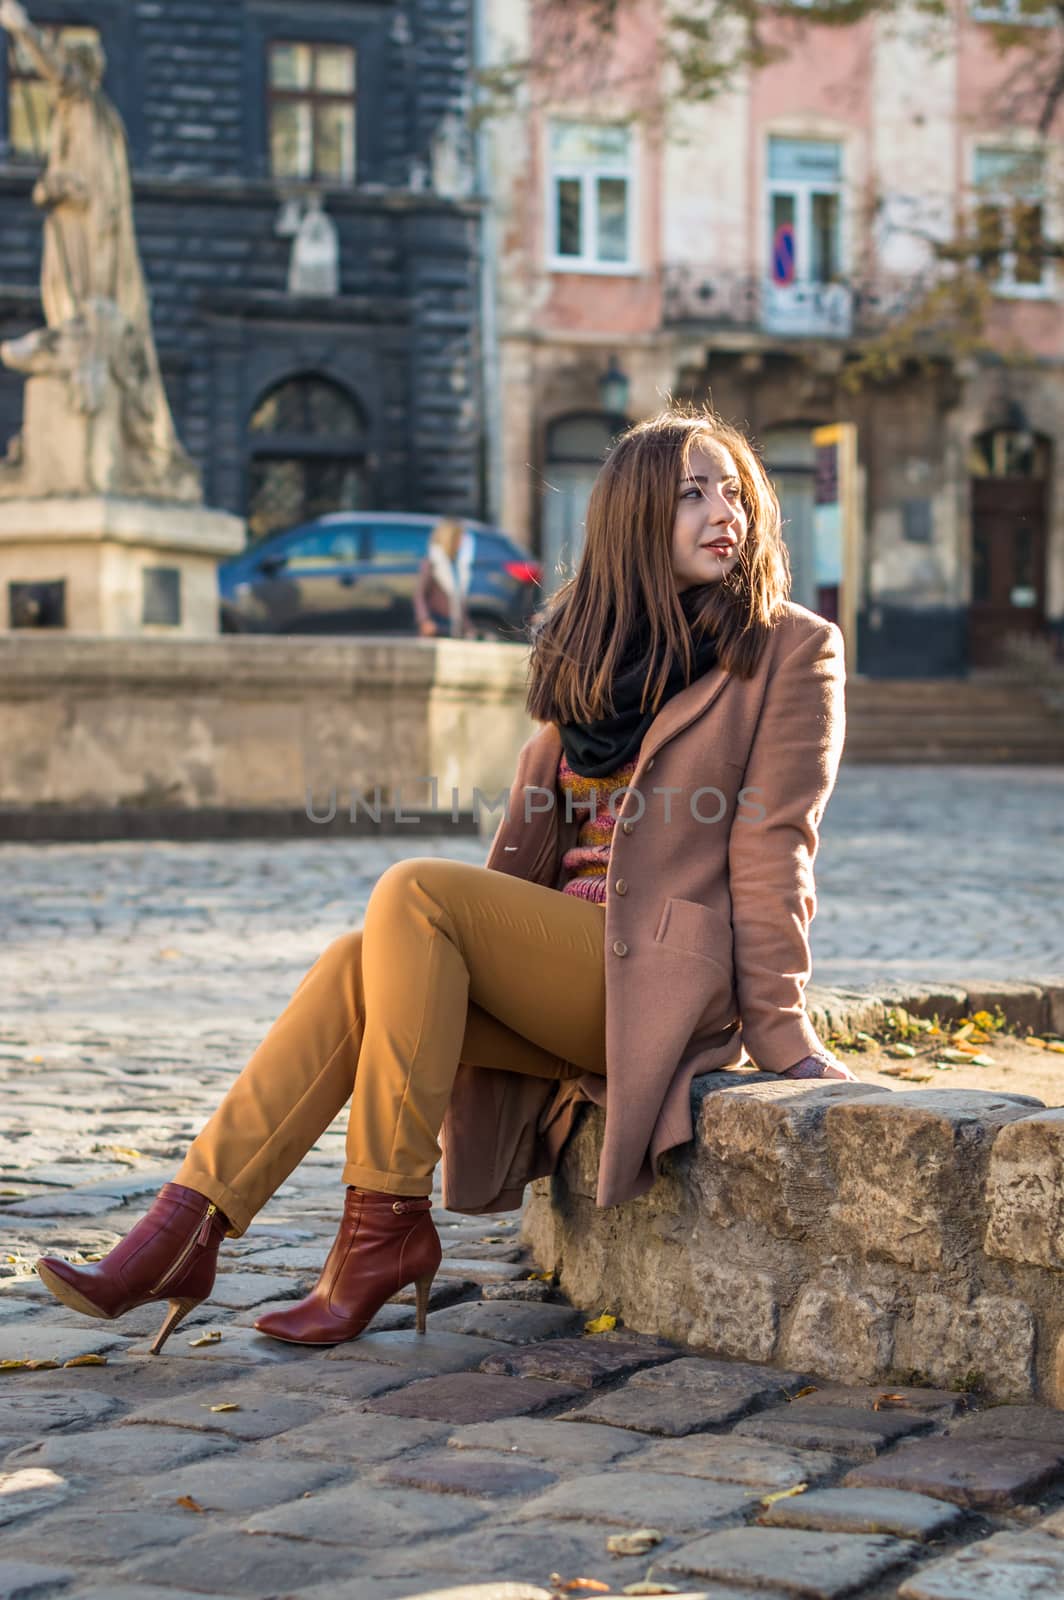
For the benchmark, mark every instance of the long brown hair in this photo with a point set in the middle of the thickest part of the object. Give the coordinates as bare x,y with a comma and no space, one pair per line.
625,573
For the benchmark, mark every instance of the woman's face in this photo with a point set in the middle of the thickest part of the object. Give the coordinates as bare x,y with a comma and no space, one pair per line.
710,526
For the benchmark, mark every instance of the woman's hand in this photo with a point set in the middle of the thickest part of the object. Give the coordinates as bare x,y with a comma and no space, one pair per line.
427,629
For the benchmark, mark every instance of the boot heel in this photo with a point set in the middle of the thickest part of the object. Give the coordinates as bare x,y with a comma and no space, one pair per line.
422,1288
179,1310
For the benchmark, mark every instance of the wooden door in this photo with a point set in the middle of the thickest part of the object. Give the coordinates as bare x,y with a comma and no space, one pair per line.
1008,563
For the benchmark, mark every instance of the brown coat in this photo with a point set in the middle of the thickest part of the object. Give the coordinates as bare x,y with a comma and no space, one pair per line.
706,945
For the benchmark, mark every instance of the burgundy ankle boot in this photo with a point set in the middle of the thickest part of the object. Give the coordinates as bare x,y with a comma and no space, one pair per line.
170,1254
385,1242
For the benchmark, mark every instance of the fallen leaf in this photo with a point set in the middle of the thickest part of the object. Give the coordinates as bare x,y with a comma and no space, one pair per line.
891,1402
650,1586
810,1388
782,1494
636,1543
86,1361
123,1152
12,1366
169,955
962,1033
981,1061
577,1585
901,1050
206,1338
540,1277
188,1503
41,1366
1036,1043
226,1405
603,1324
1057,1045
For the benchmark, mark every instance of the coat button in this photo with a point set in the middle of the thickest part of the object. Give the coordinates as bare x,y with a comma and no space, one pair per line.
620,886
620,948
626,827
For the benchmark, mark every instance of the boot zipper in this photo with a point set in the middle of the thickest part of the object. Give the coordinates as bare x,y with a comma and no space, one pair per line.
201,1235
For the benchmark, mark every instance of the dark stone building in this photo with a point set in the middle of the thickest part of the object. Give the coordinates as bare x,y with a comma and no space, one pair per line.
238,111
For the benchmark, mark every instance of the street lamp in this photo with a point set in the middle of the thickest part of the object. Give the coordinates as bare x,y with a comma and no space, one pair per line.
613,389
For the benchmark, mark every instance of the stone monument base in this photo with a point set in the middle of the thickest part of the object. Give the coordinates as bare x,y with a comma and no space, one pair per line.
101,564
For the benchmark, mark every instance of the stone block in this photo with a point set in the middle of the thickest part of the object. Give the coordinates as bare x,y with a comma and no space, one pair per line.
1025,1192
239,1290
48,1341
119,1453
365,1517
760,1154
93,1538
526,1551
26,1490
670,1412
672,1502
232,1562
897,1511
764,1467
359,1440
25,1578
940,1404
911,1172
240,1487
473,1472
984,1474
1008,1566
840,1332
795,1561
29,1410
260,1416
989,1341
844,1430
734,1307
460,1397
764,1385
432,1352
558,1443
509,1321
1032,1424
581,1362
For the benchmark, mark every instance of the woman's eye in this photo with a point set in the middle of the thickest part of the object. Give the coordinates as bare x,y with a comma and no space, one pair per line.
687,493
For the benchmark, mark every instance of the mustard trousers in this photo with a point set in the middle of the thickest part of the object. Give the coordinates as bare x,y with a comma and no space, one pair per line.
453,963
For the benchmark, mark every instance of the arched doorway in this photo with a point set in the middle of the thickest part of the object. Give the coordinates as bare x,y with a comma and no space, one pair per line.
789,455
1010,470
306,454
577,445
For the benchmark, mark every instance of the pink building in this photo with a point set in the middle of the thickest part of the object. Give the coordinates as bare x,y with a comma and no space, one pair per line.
755,249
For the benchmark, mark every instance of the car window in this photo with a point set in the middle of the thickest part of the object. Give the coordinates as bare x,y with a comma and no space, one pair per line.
492,547
324,547
396,542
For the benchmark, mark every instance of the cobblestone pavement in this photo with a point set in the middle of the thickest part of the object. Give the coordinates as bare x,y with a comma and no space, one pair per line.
136,979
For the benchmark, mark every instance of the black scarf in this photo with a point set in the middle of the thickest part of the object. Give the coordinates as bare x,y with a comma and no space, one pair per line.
595,749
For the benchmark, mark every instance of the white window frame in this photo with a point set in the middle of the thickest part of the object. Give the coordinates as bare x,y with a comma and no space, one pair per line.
802,190
1012,14
1005,286
587,173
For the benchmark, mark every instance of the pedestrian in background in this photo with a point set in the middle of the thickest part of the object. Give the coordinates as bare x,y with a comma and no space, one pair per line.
441,599
612,958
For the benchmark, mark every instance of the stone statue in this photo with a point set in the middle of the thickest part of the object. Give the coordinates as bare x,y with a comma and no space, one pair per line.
97,418
314,265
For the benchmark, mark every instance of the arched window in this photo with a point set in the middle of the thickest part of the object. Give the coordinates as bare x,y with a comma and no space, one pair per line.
306,454
576,448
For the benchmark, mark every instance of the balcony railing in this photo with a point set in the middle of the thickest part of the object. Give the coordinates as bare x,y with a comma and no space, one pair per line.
793,311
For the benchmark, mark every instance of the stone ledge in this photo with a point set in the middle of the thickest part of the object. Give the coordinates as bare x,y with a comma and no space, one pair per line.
861,1234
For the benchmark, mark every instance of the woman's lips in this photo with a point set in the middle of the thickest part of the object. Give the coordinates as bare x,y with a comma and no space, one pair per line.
721,546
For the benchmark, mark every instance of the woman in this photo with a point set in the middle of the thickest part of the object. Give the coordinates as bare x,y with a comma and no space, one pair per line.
607,957
441,595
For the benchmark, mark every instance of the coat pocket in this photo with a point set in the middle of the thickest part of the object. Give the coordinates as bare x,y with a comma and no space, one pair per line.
697,930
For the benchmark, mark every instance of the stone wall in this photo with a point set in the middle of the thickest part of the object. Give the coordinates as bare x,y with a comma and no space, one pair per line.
256,724
861,1234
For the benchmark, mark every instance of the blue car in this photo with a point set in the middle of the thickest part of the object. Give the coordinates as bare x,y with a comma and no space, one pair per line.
355,572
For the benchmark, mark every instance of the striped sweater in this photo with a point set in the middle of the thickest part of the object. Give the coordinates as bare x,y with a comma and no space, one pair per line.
589,799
